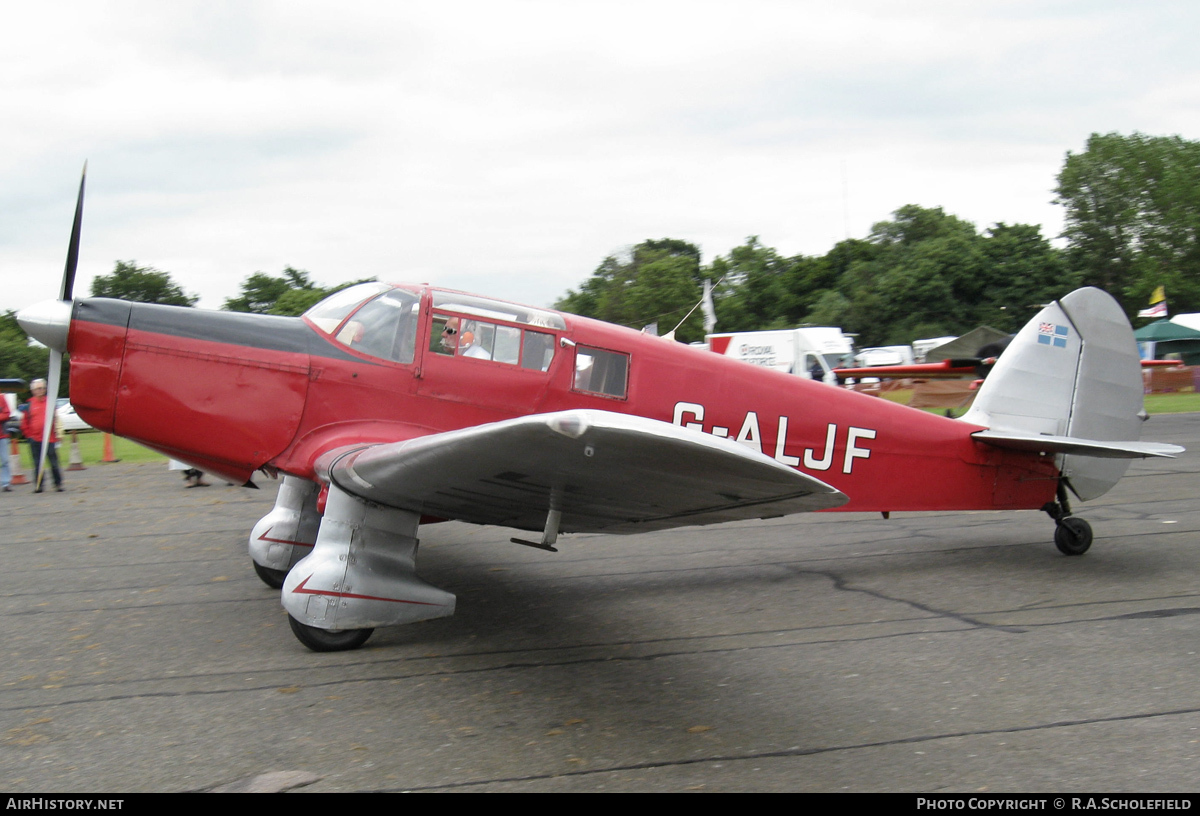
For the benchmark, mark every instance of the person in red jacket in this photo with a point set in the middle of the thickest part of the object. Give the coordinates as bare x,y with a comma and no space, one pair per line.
5,469
39,411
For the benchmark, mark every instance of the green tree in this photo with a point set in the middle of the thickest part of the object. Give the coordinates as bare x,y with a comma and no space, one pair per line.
758,289
141,284
1133,217
830,308
922,273
1021,273
298,301
663,292
921,279
19,359
657,281
602,295
291,294
261,293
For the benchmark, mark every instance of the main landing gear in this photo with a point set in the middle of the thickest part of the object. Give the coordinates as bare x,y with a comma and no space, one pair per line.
1072,536
361,574
343,572
286,534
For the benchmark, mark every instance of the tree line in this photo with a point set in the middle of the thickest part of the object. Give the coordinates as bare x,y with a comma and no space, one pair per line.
1132,224
922,274
1132,207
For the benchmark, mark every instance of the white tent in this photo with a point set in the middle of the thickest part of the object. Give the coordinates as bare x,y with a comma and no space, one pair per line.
1191,321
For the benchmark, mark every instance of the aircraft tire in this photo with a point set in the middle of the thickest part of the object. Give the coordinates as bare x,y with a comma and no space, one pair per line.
325,640
1073,536
271,577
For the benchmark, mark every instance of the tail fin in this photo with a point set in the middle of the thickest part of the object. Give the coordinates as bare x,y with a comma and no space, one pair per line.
1071,383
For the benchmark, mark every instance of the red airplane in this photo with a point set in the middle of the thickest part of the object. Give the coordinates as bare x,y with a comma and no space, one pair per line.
385,406
952,369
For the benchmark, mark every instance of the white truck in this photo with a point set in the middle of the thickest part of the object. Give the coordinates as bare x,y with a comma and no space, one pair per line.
792,351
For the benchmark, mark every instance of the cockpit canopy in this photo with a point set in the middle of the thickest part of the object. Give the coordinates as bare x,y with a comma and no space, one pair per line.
372,318
382,321
498,309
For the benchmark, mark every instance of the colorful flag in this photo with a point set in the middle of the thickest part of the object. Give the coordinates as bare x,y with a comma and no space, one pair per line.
1158,304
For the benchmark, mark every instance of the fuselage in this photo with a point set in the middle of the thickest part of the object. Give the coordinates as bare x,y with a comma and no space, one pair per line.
232,393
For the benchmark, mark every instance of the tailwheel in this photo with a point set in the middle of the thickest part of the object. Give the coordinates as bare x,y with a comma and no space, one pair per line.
271,577
326,640
1073,536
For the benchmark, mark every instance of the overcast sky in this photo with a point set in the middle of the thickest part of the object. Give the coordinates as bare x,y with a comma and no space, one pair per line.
508,147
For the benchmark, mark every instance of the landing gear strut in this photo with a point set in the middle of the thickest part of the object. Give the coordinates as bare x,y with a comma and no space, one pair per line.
360,574
286,534
1072,536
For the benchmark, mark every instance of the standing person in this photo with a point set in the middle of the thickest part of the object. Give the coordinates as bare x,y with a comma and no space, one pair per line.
39,412
5,469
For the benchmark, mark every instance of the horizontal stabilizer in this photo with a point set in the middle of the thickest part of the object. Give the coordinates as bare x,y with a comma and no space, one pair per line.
1075,445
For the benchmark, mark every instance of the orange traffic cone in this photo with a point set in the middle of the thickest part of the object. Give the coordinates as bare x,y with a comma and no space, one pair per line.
108,449
14,459
76,461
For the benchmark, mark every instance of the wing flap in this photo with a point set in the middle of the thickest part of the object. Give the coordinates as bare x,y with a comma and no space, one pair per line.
605,472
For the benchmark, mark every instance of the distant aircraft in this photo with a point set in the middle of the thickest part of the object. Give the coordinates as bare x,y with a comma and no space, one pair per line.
953,367
385,406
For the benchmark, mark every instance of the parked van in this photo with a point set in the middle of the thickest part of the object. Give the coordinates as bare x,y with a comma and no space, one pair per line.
809,352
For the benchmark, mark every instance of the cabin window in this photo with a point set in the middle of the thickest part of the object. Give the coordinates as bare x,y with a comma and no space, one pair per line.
601,372
485,340
538,351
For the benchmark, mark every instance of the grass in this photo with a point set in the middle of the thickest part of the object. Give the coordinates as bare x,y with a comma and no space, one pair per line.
1176,403
91,448
900,395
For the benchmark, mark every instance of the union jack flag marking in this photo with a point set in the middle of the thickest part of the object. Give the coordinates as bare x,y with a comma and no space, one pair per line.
1051,334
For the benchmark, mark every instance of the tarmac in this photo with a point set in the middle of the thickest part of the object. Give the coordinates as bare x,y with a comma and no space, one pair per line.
932,652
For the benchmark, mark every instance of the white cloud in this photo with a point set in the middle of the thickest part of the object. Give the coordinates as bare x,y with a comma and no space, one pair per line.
508,146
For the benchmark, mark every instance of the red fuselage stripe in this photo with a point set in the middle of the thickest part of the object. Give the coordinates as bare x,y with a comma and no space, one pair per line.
263,537
302,591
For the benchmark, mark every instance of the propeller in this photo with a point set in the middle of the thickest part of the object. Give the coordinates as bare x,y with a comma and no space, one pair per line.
57,349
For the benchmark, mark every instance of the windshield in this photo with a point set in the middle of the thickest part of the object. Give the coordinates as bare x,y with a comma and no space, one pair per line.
330,312
384,326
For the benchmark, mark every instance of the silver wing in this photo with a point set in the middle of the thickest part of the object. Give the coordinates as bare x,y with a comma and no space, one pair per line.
603,471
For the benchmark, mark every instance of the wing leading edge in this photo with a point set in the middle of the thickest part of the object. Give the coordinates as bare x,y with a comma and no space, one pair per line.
603,471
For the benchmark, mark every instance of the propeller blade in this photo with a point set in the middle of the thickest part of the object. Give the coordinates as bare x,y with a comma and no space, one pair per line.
68,281
50,414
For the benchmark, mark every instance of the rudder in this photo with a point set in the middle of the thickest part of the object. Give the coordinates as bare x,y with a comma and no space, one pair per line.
1073,371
